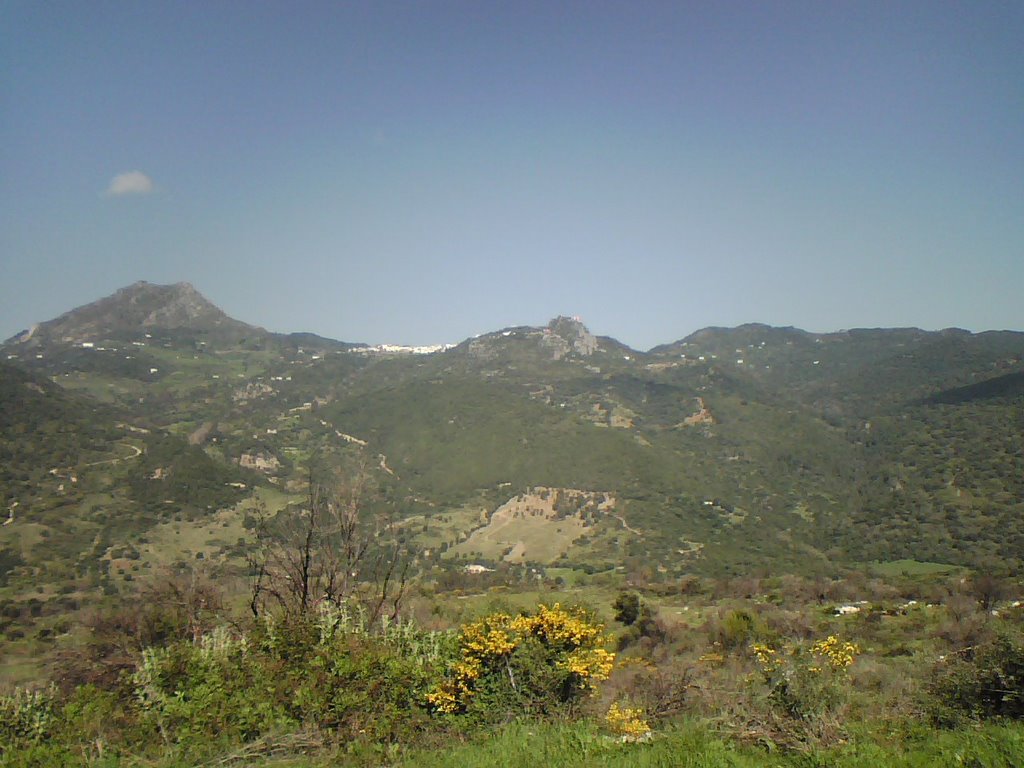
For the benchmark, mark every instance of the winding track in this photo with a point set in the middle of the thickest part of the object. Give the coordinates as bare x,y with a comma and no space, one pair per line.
116,460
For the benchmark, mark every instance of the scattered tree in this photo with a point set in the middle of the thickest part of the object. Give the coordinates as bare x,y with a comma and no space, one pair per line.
627,608
343,545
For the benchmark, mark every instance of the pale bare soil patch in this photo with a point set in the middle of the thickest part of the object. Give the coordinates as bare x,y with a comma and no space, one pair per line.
538,526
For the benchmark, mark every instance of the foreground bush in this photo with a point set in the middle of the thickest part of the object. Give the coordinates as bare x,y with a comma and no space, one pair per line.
804,688
27,717
982,681
329,674
807,682
528,664
212,689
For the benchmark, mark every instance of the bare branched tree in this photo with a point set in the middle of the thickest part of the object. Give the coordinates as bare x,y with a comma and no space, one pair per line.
342,546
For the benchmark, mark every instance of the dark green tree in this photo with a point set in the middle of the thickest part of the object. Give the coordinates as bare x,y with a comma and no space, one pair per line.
627,608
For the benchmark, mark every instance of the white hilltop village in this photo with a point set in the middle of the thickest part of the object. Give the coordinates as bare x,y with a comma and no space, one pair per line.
401,349
428,349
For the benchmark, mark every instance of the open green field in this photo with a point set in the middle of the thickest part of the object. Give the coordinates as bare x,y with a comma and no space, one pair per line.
911,568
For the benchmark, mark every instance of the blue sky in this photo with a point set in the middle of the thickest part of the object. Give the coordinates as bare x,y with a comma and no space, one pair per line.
419,172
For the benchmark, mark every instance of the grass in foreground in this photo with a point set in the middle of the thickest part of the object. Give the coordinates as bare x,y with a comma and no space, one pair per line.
583,744
693,745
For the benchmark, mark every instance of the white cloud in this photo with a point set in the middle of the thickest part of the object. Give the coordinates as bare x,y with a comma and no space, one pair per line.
130,183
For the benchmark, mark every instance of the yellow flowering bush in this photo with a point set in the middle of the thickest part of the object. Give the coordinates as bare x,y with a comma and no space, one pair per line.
806,682
531,662
627,723
591,664
767,657
836,653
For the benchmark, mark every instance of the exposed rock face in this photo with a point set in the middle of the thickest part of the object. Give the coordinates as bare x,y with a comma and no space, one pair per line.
562,337
182,306
252,391
701,416
568,334
262,462
482,349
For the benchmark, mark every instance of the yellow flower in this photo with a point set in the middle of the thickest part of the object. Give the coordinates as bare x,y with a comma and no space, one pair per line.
767,658
627,722
571,640
838,654
444,700
592,665
555,626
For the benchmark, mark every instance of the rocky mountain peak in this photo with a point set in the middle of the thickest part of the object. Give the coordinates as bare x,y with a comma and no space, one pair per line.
564,335
137,307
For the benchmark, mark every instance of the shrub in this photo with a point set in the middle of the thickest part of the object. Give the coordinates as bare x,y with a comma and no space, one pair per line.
981,682
360,688
806,682
627,607
27,717
527,664
94,718
201,691
627,723
738,629
662,691
364,685
327,671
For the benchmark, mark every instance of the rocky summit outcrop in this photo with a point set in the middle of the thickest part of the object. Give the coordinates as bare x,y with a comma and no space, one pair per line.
565,335
562,338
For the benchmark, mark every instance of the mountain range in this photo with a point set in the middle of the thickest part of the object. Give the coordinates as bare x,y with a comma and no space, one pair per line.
140,431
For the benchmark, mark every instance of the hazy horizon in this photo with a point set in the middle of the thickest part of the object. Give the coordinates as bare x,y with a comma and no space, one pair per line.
542,323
